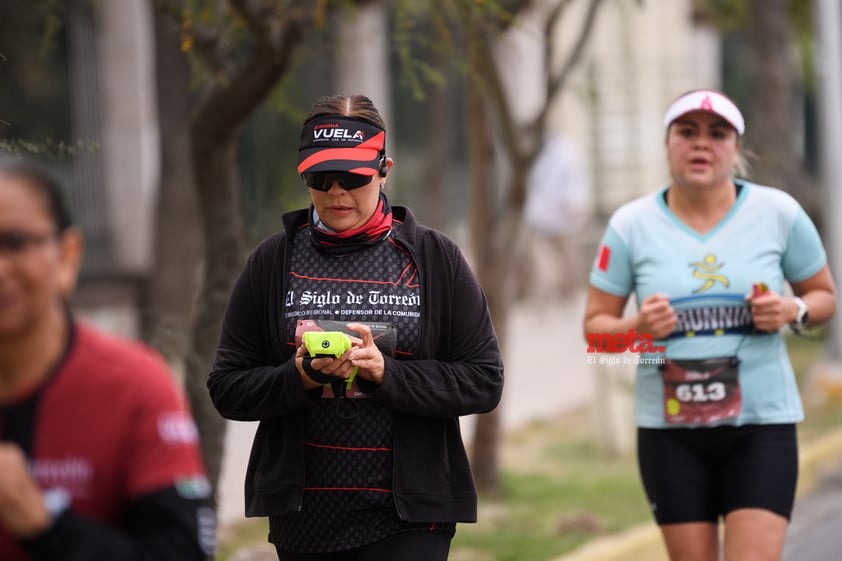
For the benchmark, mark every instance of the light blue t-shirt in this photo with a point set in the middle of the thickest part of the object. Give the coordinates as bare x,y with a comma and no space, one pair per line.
765,237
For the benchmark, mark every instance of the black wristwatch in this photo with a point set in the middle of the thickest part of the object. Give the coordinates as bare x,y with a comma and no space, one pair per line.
802,318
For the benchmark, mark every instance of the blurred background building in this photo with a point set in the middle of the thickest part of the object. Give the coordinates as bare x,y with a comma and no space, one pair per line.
80,90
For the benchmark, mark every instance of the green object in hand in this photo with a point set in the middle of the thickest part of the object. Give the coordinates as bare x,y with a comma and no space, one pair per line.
326,343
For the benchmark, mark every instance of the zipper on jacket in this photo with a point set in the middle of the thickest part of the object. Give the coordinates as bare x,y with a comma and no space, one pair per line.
395,472
421,328
300,505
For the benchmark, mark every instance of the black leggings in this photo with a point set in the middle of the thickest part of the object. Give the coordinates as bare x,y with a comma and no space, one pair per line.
700,474
406,546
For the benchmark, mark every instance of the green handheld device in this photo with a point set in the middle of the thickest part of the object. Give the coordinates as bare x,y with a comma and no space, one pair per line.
326,343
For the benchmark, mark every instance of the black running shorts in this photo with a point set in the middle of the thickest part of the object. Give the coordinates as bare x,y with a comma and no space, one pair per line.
700,474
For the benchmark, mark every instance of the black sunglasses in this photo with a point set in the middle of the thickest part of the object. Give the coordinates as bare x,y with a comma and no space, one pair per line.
322,181
15,242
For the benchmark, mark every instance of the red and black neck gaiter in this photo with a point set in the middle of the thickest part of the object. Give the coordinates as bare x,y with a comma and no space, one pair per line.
376,229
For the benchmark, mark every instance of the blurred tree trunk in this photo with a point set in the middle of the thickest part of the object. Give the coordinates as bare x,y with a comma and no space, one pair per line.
480,159
436,149
774,131
214,161
494,237
242,50
365,69
171,285
215,131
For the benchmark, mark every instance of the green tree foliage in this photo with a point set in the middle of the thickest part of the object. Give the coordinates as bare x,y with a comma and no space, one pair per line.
34,97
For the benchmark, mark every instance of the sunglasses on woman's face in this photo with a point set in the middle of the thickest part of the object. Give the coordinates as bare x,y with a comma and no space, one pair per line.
322,181
14,243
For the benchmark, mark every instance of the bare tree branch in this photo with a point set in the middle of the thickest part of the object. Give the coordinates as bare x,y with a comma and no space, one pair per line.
550,27
493,82
171,8
205,41
557,84
255,18
227,105
206,45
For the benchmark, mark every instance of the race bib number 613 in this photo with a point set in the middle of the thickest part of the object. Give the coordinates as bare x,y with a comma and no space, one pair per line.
701,392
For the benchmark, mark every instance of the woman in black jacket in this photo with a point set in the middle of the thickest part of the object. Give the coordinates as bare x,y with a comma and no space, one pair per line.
358,455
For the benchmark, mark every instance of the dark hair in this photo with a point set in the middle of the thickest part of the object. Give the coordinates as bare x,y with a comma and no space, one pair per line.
356,105
43,181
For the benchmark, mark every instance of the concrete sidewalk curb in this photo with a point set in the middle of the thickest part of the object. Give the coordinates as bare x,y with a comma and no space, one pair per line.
815,458
643,543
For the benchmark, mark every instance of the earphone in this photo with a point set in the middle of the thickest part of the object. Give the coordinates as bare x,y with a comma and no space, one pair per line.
384,169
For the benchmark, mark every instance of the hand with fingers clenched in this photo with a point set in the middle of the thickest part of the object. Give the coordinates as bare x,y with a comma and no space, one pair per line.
323,369
769,310
656,317
22,509
365,354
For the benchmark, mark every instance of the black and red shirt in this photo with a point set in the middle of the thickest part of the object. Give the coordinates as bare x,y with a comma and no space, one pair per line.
348,446
110,428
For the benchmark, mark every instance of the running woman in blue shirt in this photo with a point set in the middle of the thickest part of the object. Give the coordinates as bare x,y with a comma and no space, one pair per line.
707,258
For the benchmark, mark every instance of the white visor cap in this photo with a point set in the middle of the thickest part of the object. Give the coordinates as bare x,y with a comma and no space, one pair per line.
711,101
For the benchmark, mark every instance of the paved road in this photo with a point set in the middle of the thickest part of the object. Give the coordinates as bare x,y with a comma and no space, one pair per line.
816,530
533,391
